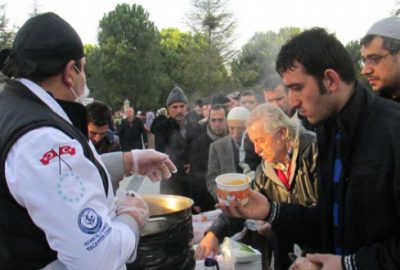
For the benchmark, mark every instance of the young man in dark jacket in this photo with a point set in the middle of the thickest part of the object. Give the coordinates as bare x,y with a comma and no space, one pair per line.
100,134
357,220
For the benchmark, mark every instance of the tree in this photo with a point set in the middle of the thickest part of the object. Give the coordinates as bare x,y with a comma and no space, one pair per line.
396,9
211,18
257,58
186,66
127,62
35,9
354,49
6,34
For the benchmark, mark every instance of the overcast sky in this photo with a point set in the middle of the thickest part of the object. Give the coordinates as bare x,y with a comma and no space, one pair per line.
349,19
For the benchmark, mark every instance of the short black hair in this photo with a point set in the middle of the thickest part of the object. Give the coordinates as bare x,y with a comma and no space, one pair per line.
317,51
272,82
217,107
198,102
219,99
98,113
247,93
36,71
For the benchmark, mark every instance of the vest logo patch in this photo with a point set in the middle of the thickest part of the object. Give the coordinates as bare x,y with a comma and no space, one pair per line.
70,187
89,221
62,150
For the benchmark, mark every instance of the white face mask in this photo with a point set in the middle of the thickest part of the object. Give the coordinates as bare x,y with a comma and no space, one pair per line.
86,92
82,98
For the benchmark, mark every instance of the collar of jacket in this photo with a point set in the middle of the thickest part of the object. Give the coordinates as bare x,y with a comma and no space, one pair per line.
298,147
77,113
348,119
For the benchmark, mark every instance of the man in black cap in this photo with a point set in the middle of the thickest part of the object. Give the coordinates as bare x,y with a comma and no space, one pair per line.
56,199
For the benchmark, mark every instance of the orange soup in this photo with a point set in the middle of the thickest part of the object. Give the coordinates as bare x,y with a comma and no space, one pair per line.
236,182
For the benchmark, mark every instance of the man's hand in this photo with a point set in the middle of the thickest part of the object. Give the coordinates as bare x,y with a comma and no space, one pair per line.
257,207
135,207
153,164
264,229
207,245
328,261
303,263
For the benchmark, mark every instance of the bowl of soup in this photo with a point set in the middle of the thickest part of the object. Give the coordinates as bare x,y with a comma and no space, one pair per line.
232,186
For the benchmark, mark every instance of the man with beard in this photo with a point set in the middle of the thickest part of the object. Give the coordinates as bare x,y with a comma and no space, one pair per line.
276,93
380,57
171,139
216,129
356,223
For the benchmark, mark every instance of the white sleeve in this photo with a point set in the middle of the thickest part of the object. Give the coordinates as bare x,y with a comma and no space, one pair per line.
114,163
48,174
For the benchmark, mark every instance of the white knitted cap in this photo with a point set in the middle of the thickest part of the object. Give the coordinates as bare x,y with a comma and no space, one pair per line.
387,27
238,113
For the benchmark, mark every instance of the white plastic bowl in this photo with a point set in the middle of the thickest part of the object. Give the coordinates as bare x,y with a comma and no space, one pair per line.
228,191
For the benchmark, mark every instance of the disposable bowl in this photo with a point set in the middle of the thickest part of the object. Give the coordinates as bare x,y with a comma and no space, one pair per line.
231,186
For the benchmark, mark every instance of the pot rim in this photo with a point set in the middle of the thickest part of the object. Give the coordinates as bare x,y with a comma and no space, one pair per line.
154,197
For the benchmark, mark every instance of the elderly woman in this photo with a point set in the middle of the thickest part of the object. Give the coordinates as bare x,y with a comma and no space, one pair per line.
287,173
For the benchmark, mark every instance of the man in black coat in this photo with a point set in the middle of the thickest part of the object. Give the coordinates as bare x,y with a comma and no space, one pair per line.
171,138
217,128
357,220
132,133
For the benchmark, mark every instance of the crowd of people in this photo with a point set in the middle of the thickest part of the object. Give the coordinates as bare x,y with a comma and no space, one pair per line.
320,150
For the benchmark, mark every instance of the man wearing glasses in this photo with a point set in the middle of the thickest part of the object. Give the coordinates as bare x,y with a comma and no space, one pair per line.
380,57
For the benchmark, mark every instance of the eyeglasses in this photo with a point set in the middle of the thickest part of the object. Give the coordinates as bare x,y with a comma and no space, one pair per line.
373,60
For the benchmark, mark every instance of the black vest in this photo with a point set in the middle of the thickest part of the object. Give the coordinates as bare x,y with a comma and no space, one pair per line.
22,244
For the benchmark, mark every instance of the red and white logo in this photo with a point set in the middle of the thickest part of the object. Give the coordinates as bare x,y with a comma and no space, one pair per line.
67,150
49,155
63,150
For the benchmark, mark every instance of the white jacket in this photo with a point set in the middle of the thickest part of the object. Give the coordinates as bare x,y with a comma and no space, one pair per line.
48,174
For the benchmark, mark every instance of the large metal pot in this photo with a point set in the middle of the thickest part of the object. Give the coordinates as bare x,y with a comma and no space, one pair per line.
165,241
166,211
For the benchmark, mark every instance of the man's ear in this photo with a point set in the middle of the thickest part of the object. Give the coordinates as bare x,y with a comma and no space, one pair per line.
331,80
69,73
282,133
